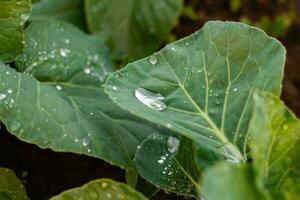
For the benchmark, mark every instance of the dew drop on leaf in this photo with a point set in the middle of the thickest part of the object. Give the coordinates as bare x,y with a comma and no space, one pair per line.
58,87
2,96
173,144
15,125
85,142
153,60
24,16
87,70
150,99
115,88
9,90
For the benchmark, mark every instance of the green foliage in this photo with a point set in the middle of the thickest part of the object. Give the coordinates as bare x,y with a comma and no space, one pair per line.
276,27
10,186
67,10
200,118
137,28
275,152
103,189
13,15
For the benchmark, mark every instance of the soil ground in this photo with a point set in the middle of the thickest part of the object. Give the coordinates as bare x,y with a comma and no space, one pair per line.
46,173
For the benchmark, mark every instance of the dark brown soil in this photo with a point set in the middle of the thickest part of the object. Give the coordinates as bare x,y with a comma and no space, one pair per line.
46,173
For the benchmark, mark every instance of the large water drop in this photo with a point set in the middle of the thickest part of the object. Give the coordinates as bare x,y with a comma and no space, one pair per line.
150,99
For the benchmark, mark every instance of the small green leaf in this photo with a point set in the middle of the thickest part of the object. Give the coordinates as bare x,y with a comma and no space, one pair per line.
169,163
275,147
135,28
67,10
103,189
10,186
202,86
228,181
13,15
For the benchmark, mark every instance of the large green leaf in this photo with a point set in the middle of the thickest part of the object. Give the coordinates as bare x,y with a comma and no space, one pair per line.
13,15
67,10
275,147
104,189
202,86
228,181
67,110
135,27
10,186
169,163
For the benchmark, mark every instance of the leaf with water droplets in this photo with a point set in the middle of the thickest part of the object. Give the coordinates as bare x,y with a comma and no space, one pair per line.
13,16
169,163
67,109
104,189
10,186
144,24
207,85
65,52
275,147
66,10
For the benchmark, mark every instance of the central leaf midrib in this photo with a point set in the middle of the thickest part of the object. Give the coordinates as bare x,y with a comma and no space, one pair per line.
218,133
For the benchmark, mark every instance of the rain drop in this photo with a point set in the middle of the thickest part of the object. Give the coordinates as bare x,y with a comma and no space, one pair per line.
153,60
169,125
24,16
85,142
58,87
64,52
87,70
9,90
2,96
150,99
173,144
115,88
15,125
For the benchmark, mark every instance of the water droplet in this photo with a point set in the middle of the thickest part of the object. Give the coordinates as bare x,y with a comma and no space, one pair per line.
85,142
67,41
2,96
115,88
234,89
160,161
15,125
64,52
9,90
24,16
58,87
153,60
150,99
173,144
169,125
87,70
